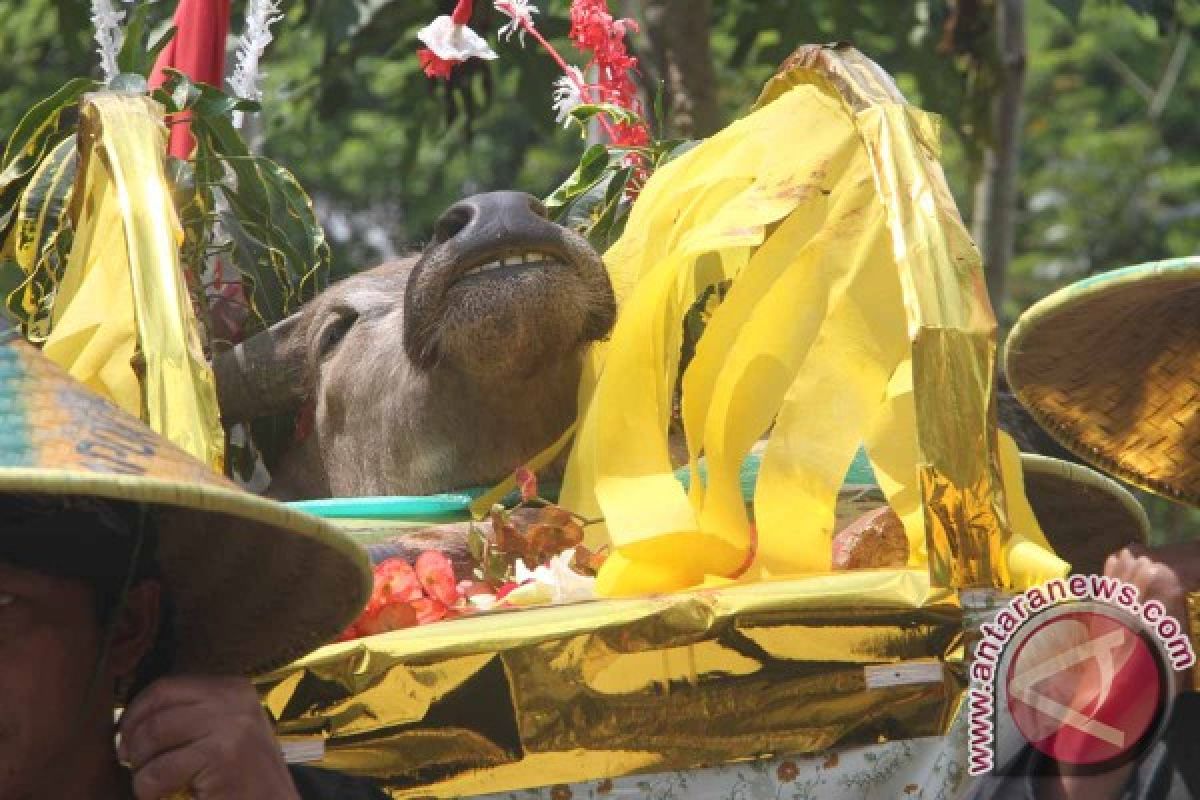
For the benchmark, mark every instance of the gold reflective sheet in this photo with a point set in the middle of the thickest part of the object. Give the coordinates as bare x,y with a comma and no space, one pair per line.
123,290
536,697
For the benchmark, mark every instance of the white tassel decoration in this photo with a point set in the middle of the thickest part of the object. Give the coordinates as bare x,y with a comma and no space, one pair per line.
106,19
260,16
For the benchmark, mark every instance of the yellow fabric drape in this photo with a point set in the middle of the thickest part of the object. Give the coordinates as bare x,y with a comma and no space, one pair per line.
856,315
123,288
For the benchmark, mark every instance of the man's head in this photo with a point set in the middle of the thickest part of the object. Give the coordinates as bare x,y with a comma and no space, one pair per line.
73,638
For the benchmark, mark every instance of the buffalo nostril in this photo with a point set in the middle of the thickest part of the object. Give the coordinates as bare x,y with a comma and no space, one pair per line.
453,222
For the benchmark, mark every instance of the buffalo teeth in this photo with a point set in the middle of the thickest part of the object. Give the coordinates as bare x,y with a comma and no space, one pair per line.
485,267
522,259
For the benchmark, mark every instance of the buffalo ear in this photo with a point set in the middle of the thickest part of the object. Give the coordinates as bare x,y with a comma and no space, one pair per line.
266,374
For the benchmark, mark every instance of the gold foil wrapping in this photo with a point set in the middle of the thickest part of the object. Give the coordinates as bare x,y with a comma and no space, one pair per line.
123,297
537,697
950,319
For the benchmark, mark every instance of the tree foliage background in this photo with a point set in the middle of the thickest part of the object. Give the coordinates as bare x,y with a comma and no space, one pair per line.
1109,161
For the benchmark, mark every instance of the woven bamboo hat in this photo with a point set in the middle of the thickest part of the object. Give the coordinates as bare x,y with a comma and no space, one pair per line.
1110,367
254,584
1086,516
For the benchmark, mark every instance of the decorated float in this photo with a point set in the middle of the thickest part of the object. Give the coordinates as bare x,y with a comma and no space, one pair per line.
784,482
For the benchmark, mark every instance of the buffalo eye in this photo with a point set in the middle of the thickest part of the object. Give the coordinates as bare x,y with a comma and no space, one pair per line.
339,324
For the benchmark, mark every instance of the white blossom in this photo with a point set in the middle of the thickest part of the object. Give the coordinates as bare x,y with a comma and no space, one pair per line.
520,14
106,19
451,42
567,95
260,16
555,582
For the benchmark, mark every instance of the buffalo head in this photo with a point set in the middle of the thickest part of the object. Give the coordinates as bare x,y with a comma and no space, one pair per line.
440,371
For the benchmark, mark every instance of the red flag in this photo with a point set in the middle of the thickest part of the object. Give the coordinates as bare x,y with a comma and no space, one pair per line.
198,51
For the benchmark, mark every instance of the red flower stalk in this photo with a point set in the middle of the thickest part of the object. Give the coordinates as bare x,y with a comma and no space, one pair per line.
462,12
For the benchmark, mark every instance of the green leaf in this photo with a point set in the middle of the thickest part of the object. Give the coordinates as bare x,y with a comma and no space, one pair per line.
585,112
606,231
43,204
1070,9
39,125
138,54
476,543
582,213
157,47
129,59
590,170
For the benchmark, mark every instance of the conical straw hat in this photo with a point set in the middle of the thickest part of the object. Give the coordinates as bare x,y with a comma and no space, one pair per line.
1085,515
1110,367
254,584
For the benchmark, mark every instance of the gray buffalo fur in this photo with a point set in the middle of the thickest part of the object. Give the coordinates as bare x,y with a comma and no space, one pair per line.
422,378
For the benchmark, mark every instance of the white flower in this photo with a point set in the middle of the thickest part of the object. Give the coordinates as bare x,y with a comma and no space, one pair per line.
555,582
567,96
452,42
520,14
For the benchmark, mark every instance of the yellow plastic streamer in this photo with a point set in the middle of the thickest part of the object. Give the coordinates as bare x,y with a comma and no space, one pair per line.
123,289
856,315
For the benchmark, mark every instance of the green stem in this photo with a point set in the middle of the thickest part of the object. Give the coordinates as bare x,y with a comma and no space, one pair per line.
582,88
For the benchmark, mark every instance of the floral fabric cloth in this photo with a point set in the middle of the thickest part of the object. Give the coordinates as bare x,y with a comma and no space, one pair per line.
916,769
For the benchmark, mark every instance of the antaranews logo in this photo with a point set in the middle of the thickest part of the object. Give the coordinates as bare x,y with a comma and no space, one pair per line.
1084,669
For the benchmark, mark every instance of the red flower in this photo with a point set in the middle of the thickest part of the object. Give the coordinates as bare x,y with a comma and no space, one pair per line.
395,582
787,772
527,483
436,575
594,30
435,67
391,617
427,610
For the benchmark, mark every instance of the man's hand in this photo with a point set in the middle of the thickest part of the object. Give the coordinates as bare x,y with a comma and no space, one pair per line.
207,735
1165,574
